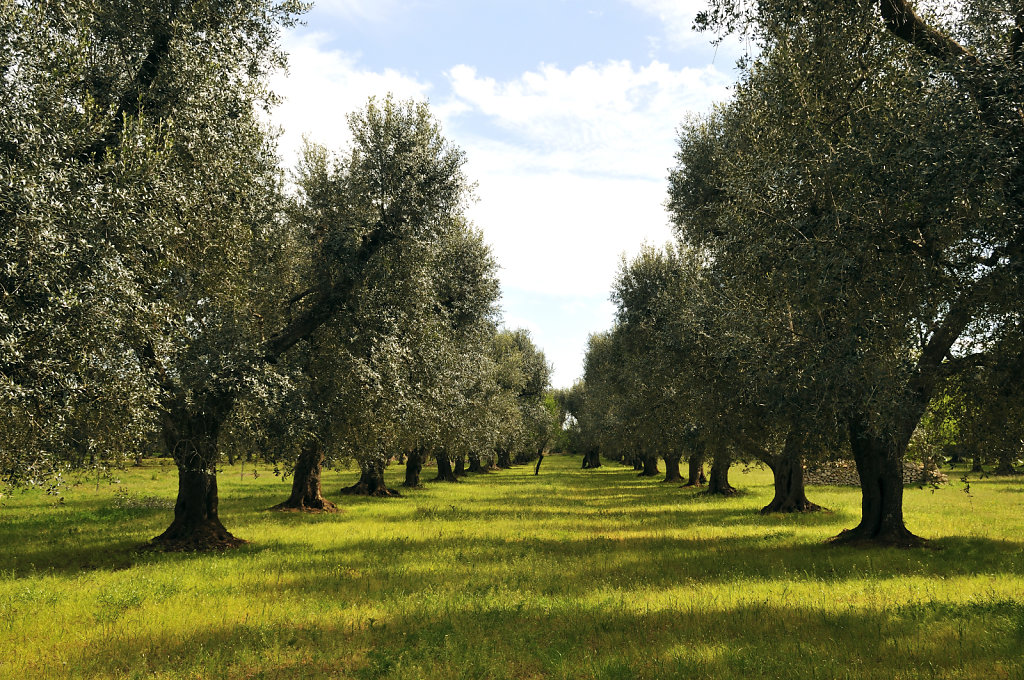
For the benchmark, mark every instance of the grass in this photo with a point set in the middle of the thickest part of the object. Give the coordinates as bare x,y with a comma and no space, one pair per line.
572,574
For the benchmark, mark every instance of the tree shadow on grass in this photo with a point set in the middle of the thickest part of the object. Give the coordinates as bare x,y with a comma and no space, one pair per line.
582,565
603,640
94,534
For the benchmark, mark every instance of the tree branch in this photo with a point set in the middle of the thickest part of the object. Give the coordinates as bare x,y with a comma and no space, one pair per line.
130,104
905,24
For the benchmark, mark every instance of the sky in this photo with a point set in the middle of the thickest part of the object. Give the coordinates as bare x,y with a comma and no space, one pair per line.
567,111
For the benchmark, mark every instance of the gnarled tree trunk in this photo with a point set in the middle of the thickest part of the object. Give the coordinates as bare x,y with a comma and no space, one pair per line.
649,466
444,468
306,491
460,466
371,482
191,435
788,471
719,484
1005,463
413,467
504,459
474,463
672,473
695,470
879,462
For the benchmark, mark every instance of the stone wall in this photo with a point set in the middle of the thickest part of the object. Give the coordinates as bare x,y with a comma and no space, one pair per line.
844,473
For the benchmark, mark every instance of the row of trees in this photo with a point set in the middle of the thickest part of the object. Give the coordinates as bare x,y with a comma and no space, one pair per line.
158,274
849,261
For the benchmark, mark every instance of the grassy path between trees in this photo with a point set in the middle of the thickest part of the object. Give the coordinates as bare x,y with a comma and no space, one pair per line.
572,574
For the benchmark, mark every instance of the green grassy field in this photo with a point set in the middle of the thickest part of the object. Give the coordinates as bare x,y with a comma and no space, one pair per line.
572,574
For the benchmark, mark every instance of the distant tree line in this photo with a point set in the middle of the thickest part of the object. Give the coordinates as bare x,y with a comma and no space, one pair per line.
849,259
160,280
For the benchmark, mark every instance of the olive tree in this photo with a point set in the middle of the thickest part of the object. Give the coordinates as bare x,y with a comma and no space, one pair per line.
863,194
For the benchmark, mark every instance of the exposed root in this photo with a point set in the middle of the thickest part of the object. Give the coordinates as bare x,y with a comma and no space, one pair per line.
373,491
791,505
321,505
861,538
201,538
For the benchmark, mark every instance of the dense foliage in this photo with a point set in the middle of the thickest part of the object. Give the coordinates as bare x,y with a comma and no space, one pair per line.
851,227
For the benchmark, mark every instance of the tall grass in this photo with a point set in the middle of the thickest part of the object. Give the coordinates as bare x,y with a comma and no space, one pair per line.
569,574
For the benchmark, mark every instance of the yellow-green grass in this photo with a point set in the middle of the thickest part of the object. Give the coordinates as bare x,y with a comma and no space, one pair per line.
570,574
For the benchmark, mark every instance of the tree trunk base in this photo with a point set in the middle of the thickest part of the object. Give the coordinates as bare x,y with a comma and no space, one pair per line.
201,537
672,472
790,505
304,505
445,473
721,490
861,538
374,490
649,468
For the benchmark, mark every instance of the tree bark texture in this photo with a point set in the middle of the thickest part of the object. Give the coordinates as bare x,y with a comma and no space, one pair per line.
879,462
306,490
504,459
1005,463
672,473
413,467
788,470
460,466
540,459
649,466
191,435
474,463
695,470
444,468
371,482
719,484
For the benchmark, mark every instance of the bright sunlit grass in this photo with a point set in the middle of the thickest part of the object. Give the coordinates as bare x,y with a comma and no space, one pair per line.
572,574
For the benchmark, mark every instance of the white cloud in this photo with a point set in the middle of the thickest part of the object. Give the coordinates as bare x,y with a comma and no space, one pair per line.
677,18
369,10
571,165
611,119
321,86
578,176
676,15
